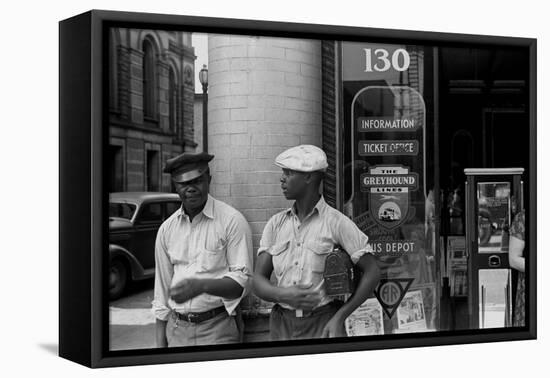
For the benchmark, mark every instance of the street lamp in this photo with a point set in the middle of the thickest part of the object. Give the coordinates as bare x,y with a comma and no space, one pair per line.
203,78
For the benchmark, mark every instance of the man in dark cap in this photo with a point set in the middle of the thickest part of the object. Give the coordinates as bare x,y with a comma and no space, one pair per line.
203,256
295,244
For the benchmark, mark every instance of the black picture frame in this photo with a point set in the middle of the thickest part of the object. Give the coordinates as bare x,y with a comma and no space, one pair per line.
83,102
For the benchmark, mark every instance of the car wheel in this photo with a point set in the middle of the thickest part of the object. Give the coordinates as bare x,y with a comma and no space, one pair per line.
118,279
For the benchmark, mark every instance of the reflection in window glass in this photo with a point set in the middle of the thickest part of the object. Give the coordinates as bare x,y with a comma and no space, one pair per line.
121,210
151,212
171,207
493,200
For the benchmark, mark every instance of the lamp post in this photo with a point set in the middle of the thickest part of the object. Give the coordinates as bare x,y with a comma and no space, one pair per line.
203,78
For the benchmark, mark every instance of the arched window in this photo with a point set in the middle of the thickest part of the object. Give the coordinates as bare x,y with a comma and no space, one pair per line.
172,100
149,82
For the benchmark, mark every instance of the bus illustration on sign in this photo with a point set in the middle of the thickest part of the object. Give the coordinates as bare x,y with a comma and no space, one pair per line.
389,211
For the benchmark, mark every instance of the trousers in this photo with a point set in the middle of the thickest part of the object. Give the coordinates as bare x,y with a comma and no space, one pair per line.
221,329
284,325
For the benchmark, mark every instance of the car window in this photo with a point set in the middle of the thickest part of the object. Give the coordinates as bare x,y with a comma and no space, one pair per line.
121,210
151,212
171,207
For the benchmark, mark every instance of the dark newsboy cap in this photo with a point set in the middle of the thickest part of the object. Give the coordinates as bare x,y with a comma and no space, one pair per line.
187,166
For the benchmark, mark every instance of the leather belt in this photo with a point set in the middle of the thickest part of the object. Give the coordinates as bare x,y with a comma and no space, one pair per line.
198,317
319,310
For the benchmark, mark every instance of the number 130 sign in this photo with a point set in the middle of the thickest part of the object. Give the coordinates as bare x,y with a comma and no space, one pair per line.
399,60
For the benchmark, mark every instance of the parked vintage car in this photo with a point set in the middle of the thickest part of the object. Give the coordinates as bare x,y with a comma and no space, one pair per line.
134,219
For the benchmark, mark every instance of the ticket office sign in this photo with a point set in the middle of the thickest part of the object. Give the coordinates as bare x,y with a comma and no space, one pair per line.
388,148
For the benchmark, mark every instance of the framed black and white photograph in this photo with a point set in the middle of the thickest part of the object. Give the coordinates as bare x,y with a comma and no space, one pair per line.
257,188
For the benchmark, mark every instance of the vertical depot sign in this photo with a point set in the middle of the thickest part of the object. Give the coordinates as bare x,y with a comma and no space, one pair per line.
388,133
388,140
385,162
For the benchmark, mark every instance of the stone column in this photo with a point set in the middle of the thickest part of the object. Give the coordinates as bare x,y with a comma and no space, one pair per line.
264,97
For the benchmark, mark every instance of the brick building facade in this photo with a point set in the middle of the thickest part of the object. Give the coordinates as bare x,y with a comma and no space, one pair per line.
151,96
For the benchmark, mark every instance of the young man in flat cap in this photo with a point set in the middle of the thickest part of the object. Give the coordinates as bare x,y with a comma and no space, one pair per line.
295,244
203,256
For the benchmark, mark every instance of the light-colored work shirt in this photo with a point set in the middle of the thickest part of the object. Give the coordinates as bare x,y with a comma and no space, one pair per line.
217,243
299,249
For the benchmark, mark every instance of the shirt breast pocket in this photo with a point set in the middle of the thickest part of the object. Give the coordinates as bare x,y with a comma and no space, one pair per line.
213,259
317,255
279,253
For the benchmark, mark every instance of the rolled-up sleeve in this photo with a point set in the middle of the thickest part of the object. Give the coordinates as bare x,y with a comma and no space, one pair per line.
267,240
352,239
239,258
163,277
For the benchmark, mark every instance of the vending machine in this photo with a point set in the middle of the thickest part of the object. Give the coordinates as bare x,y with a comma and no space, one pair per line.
493,197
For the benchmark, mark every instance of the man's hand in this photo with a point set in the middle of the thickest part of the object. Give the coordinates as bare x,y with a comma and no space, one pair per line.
302,297
334,328
187,289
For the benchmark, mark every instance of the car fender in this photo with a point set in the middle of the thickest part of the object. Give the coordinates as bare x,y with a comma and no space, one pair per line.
137,271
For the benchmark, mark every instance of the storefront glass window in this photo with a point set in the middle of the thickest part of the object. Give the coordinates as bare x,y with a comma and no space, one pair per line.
387,178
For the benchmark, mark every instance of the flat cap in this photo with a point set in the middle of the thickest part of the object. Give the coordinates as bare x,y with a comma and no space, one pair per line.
187,166
303,158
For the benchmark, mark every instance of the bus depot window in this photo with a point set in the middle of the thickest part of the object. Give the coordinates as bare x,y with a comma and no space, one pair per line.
388,176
